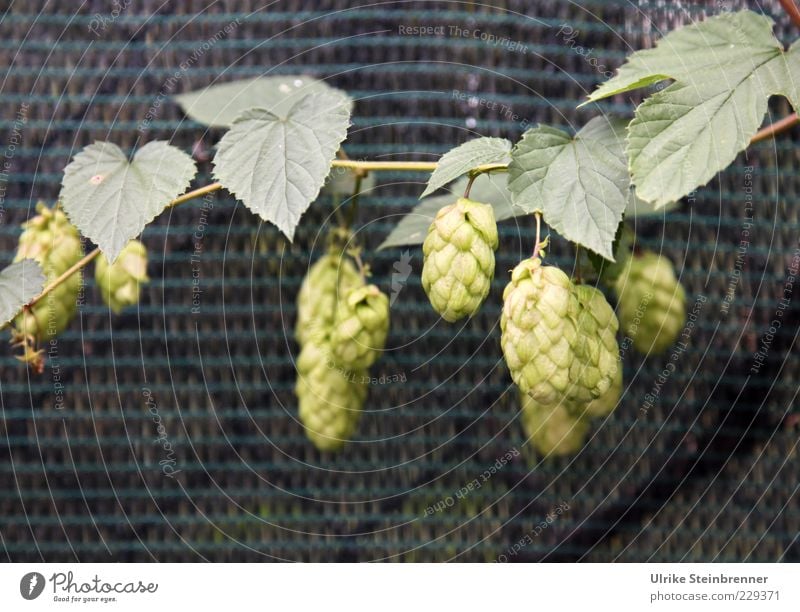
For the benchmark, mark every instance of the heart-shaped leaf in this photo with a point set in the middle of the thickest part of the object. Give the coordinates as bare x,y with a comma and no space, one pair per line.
220,105
581,185
111,200
277,165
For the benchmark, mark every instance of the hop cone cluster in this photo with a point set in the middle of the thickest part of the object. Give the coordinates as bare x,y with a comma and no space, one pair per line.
459,258
342,325
120,282
652,303
55,244
559,342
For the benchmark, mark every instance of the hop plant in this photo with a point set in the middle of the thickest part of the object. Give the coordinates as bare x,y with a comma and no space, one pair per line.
539,331
55,244
361,326
459,258
120,282
652,303
327,280
553,430
330,398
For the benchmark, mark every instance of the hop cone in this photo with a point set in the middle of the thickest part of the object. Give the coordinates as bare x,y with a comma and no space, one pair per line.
652,303
119,283
605,404
553,430
54,243
539,331
330,398
597,351
327,280
361,326
459,258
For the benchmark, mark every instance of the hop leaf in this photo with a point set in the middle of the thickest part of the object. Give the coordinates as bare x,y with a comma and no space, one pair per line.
459,258
120,282
652,303
362,324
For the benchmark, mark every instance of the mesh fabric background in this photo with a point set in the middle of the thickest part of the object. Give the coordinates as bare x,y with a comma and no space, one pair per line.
707,473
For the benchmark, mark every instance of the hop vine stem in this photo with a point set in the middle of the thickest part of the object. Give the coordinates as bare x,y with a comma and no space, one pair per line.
791,8
361,168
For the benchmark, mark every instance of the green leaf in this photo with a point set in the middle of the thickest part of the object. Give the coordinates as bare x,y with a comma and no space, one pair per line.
581,184
732,44
725,69
637,208
19,284
413,227
220,105
607,270
684,135
277,165
111,200
466,157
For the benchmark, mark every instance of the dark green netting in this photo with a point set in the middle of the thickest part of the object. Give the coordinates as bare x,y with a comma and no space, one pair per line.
707,473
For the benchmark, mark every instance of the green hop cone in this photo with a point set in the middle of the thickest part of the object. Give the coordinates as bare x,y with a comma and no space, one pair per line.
596,349
361,327
51,240
652,303
120,282
539,332
330,398
553,430
606,403
459,258
327,280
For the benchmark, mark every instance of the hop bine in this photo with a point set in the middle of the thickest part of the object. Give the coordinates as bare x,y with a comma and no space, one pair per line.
459,258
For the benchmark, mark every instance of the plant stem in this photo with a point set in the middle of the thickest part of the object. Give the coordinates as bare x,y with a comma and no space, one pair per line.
538,217
472,178
353,209
792,10
776,128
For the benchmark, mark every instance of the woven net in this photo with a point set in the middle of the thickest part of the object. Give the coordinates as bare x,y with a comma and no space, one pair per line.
170,432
